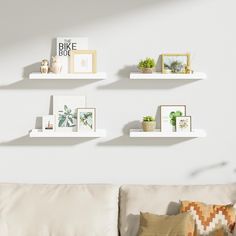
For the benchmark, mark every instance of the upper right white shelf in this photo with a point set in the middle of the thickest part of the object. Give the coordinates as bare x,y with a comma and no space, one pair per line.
161,76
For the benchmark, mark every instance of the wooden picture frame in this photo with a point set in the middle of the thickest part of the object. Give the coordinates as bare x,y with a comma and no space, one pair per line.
169,70
83,61
86,126
164,118
184,129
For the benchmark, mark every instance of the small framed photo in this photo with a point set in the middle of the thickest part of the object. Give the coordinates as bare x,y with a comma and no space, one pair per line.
48,123
184,124
169,113
176,63
86,119
83,61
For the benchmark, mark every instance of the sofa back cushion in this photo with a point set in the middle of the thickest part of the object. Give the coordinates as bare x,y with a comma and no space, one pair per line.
165,200
58,210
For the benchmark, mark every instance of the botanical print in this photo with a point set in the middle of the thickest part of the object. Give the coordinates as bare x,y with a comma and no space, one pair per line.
67,118
173,115
65,111
183,124
175,63
48,123
169,115
83,63
86,120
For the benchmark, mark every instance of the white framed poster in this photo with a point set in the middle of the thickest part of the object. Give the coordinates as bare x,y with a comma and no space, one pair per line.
168,116
86,119
63,47
65,112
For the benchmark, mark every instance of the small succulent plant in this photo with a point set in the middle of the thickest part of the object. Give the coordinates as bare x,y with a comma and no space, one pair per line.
148,118
147,63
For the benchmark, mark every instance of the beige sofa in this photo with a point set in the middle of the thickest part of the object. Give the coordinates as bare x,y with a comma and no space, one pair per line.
94,210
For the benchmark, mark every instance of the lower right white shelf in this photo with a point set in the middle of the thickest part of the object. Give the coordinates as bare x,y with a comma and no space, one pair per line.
139,133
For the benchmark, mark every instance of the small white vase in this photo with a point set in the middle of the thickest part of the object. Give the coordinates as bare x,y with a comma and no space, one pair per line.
56,66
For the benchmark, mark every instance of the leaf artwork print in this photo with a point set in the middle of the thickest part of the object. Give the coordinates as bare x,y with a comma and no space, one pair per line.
67,118
86,119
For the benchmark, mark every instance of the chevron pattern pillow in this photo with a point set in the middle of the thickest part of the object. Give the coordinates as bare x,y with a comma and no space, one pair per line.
211,220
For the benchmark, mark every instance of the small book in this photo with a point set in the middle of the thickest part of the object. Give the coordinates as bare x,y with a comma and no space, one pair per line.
63,47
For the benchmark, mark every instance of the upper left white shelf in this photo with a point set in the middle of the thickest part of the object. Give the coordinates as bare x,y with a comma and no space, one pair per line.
95,76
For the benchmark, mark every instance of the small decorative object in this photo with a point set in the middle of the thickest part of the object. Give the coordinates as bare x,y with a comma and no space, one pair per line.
65,45
48,123
65,111
168,116
176,63
56,66
183,124
83,61
188,70
149,124
147,65
86,119
44,68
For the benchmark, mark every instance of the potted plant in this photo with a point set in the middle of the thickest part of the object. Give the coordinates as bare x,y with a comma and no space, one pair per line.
149,123
147,65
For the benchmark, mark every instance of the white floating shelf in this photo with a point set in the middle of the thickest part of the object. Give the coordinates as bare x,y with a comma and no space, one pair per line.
49,76
139,133
161,76
37,133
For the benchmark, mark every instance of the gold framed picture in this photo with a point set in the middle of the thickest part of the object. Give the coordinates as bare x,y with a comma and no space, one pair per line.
176,63
83,61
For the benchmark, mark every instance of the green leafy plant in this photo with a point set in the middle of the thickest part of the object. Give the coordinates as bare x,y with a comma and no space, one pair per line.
66,118
148,118
87,119
147,63
173,116
175,66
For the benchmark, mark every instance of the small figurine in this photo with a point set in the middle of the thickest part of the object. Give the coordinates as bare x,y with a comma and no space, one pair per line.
44,68
188,70
56,66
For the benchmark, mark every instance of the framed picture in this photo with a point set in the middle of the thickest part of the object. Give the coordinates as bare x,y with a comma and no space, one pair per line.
184,124
86,119
65,112
64,45
48,123
168,116
175,63
83,61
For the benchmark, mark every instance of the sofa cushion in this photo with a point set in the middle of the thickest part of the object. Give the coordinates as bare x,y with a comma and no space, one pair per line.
211,220
175,225
165,200
58,210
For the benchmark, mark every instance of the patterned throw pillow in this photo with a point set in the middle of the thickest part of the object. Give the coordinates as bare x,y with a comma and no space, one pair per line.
213,220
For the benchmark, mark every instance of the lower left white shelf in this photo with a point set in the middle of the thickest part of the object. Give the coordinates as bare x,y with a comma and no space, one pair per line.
37,133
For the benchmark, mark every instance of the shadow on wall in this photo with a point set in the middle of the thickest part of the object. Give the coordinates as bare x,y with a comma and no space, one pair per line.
26,83
125,140
27,141
204,169
32,16
125,83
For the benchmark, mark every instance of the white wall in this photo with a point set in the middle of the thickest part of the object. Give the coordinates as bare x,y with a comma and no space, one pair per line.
122,32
